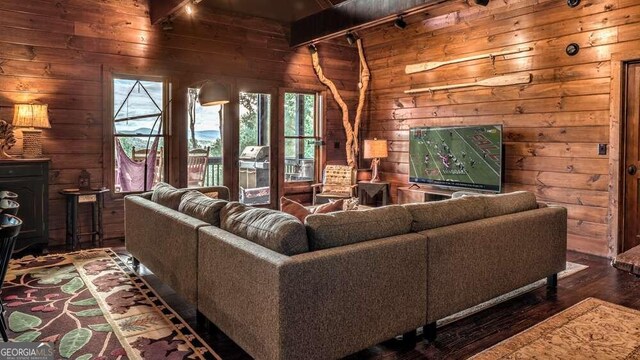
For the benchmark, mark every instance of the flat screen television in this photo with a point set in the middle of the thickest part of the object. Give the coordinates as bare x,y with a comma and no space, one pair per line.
467,157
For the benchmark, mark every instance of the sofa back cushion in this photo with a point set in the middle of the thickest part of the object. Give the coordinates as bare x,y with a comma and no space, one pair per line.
275,230
166,195
436,214
348,227
509,203
202,207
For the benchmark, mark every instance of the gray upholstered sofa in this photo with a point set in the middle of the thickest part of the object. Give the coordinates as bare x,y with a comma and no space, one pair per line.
345,281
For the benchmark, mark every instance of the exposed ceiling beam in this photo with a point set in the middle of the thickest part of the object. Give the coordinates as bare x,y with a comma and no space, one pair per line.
161,9
352,15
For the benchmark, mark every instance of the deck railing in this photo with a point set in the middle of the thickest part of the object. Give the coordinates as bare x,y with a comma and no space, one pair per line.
213,172
294,168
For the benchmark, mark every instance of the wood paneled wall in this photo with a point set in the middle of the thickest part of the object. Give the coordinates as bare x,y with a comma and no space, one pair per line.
552,126
57,52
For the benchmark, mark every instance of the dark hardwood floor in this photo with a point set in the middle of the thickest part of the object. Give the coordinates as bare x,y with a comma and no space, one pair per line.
465,337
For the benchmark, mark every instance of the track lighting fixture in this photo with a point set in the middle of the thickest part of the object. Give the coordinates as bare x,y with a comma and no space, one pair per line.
313,49
351,39
400,23
482,2
188,9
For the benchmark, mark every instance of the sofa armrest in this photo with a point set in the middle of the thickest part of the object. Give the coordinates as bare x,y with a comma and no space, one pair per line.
153,231
472,262
341,300
318,305
238,289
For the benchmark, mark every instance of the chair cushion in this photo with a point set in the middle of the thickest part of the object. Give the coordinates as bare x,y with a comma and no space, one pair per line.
275,230
348,227
509,203
202,207
166,195
435,214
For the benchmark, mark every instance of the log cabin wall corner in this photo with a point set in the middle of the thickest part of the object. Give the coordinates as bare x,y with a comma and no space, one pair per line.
552,126
56,53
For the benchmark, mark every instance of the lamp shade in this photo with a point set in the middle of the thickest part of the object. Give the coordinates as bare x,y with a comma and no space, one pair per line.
30,115
375,149
212,93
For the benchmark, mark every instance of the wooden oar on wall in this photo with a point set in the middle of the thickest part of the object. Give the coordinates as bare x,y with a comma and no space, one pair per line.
504,80
430,65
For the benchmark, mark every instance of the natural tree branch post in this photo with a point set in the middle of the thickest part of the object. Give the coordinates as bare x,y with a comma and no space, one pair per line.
351,131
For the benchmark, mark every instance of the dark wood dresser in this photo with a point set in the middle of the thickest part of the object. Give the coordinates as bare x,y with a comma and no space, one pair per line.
29,178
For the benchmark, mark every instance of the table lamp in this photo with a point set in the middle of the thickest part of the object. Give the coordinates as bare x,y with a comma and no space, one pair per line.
31,118
375,149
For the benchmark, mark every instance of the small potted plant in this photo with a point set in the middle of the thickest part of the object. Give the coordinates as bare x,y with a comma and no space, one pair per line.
7,139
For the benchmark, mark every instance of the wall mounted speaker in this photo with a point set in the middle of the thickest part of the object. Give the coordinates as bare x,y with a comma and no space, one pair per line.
572,49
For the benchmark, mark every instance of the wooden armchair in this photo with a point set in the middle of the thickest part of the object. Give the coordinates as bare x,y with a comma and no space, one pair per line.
197,166
339,182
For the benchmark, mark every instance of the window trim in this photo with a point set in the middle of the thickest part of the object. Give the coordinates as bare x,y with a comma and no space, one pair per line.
109,161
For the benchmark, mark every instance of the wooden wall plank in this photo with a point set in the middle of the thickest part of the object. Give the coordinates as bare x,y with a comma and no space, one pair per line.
552,126
56,52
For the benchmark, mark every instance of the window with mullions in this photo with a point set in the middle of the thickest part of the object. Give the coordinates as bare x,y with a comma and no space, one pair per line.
301,135
139,133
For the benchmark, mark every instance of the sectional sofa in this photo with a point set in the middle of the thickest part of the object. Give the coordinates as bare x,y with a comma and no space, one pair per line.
342,281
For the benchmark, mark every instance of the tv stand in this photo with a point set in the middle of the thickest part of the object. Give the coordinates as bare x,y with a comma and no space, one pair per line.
418,194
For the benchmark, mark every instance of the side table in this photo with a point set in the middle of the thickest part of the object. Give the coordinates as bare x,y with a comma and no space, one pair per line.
74,198
372,189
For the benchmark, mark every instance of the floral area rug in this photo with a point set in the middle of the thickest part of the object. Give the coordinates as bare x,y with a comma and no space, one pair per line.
591,329
92,306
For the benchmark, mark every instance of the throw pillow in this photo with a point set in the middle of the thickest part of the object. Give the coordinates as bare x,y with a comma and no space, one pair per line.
331,206
351,204
212,194
166,195
202,207
301,212
294,208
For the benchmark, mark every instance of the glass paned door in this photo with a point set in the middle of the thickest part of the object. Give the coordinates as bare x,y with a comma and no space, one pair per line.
254,165
301,132
204,142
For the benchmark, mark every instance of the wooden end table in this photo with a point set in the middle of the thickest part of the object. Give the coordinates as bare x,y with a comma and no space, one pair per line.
372,189
74,198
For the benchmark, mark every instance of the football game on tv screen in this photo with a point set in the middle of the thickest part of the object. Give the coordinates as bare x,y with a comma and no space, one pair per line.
458,157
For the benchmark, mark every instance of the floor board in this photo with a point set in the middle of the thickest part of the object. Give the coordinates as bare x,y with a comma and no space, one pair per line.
465,337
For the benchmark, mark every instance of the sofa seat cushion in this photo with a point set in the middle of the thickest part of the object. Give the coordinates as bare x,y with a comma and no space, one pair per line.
202,207
509,203
436,214
166,195
275,230
348,227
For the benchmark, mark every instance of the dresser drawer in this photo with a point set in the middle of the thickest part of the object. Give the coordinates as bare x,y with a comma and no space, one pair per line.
21,170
